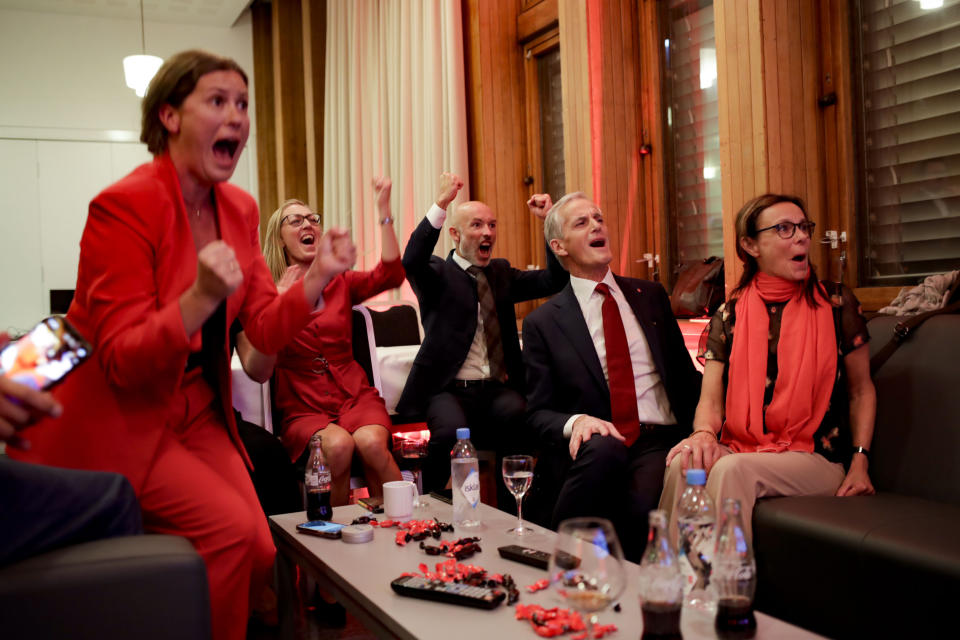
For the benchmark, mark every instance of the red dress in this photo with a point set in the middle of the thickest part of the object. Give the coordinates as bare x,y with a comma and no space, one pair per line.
317,380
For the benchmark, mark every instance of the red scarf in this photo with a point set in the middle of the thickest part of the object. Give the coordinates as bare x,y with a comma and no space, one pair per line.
806,369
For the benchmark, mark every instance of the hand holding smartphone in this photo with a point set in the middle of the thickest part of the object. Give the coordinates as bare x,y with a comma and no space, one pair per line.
33,363
43,357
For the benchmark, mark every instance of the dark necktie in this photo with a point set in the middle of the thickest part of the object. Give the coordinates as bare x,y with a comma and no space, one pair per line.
623,389
491,325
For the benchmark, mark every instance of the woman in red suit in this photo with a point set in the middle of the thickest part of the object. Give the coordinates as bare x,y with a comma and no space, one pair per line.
319,386
168,259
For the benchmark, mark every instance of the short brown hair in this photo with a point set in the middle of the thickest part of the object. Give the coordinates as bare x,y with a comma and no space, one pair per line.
746,227
176,80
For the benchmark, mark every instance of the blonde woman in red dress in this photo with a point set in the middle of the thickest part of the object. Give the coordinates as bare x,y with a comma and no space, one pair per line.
319,386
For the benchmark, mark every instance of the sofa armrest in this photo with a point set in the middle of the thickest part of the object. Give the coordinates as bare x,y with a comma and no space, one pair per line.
143,587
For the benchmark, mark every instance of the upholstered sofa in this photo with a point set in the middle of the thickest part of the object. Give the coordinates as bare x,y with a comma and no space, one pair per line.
138,587
886,565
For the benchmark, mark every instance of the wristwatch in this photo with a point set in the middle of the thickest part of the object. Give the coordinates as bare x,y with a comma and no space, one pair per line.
386,220
863,450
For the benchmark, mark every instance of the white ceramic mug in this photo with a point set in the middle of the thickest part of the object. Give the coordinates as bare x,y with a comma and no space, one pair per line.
399,497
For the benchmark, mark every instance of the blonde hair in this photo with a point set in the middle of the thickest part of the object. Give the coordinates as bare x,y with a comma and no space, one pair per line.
273,250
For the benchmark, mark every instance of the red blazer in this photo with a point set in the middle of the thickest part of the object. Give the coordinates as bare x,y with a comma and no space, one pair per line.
137,256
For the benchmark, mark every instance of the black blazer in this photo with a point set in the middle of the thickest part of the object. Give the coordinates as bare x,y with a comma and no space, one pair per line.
448,310
564,376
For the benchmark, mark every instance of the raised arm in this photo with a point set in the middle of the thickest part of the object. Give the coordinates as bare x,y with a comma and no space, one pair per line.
539,283
390,249
423,240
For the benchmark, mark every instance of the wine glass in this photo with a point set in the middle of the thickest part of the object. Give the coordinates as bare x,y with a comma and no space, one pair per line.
518,476
413,451
586,569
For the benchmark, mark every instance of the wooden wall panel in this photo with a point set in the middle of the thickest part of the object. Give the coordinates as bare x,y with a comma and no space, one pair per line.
290,98
266,138
289,73
495,92
574,56
743,146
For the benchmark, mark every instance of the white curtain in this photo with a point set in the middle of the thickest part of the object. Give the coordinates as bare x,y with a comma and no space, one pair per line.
395,106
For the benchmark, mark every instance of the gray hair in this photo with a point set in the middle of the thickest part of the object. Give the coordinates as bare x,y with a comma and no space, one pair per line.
552,225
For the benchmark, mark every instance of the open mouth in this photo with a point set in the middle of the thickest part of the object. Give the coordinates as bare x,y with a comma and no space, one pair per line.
800,258
599,243
308,239
484,249
226,148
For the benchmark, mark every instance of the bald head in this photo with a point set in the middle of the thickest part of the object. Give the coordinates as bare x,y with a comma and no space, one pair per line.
473,227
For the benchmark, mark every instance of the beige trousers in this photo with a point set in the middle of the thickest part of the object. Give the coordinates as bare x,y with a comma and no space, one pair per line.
748,476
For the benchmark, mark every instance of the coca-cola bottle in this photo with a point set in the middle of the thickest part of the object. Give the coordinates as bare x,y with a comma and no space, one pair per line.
734,576
316,481
661,584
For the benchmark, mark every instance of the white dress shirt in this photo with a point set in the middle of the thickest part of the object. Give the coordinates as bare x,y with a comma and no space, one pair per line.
477,364
653,406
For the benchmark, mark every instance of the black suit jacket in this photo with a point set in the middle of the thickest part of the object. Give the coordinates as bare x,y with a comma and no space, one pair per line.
564,375
448,309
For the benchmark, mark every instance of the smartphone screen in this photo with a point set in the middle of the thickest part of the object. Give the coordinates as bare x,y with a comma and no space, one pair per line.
44,356
321,528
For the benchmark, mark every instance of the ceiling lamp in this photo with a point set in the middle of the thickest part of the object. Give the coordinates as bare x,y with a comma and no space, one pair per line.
140,69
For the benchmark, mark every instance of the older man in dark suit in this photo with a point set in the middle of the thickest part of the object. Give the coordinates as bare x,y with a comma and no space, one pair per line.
611,386
469,371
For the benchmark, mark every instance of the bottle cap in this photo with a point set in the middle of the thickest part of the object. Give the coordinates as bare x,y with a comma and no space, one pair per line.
357,533
696,476
463,433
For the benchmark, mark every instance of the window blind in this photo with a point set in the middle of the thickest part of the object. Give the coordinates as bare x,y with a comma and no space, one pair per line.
693,164
909,60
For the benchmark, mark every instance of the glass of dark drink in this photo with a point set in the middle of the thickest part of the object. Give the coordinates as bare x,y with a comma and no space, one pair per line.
413,451
661,620
661,583
735,619
734,575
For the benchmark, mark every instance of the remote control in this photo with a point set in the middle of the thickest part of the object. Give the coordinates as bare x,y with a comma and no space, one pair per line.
450,592
536,558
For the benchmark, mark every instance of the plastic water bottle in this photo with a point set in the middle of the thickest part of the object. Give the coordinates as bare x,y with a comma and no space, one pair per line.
316,481
465,480
696,525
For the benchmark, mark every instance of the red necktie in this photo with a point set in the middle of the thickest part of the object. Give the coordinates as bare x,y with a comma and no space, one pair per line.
623,389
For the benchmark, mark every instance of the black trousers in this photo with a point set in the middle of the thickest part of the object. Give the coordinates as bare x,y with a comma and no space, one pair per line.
43,508
494,414
610,480
274,477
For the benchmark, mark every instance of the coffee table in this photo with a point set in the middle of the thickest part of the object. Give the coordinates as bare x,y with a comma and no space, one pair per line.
359,576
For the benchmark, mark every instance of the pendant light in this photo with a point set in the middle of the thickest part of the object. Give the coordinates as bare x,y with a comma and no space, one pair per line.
140,69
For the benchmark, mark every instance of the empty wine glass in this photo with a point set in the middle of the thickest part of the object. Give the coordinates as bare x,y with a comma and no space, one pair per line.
413,451
518,476
586,569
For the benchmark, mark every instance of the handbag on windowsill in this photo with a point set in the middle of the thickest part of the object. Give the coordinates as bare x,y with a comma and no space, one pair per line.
698,289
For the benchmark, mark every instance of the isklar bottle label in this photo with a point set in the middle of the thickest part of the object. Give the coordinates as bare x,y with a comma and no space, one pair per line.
471,488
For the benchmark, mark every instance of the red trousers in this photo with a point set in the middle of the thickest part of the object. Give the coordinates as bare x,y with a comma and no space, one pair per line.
199,488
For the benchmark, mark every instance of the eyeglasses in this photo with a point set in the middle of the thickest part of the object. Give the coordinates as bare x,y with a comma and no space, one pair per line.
296,219
786,230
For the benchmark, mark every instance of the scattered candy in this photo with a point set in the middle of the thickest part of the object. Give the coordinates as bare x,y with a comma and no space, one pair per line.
539,585
549,623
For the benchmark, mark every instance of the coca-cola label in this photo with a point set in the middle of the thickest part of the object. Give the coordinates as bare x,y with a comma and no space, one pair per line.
471,488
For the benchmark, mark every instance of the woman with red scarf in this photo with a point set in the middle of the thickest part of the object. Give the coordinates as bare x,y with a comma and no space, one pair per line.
786,369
